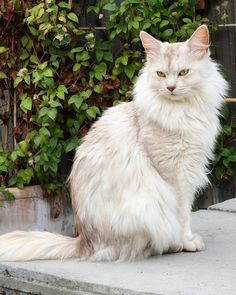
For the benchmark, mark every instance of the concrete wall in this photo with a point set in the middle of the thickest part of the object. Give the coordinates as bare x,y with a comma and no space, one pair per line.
32,211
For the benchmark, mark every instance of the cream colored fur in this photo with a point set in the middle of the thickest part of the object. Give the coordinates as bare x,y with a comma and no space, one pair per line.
134,178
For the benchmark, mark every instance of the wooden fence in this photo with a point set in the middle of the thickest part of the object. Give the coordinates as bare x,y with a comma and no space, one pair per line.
224,40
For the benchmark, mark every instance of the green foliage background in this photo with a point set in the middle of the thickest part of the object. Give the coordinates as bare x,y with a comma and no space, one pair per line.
61,76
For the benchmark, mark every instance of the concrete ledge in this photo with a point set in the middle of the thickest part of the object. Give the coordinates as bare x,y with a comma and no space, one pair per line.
37,283
34,191
212,271
226,206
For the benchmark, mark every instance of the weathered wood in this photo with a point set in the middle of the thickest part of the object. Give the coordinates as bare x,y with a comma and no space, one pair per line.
201,4
223,42
223,48
230,99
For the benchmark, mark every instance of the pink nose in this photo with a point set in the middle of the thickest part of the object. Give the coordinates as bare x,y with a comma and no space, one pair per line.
171,88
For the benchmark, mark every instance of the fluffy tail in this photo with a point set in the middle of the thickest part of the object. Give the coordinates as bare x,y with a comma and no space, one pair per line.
34,245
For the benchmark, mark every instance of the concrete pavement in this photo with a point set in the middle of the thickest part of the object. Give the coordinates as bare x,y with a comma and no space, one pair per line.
212,271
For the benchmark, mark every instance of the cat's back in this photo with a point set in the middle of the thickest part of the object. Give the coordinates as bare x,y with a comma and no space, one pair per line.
107,149
116,128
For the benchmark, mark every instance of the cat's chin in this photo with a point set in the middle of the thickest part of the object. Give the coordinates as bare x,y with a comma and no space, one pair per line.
175,98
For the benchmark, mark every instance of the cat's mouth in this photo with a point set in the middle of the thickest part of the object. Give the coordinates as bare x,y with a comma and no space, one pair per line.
175,97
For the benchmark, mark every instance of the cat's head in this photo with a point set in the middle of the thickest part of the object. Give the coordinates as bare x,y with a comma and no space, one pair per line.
178,69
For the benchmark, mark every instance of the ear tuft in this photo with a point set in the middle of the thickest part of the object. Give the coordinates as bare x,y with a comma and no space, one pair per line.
199,41
150,44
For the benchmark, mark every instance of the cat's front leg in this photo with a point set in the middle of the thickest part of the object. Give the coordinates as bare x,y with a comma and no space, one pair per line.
192,242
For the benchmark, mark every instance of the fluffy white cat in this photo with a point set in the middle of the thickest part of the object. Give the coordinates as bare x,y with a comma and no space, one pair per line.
134,178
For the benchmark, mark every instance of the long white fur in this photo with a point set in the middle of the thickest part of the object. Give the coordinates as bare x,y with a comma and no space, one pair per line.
134,178
20,245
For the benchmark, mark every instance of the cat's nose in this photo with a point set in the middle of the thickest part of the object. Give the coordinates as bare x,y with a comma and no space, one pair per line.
171,88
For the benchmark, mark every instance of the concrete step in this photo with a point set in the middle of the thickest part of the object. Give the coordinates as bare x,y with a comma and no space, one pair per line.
226,206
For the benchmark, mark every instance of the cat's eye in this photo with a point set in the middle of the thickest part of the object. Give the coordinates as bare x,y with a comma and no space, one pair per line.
161,74
183,72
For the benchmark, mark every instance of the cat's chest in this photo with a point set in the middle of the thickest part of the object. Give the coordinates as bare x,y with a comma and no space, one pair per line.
171,152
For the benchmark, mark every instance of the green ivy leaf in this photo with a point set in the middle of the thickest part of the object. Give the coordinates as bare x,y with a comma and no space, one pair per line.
108,56
3,49
164,23
55,104
47,73
100,71
76,67
25,176
43,111
53,142
227,129
76,100
12,181
72,16
113,34
7,194
146,25
82,56
85,94
13,156
24,55
93,112
61,90
226,162
26,104
105,45
110,7
124,59
53,167
27,79
2,75
97,89
43,65
218,173
52,113
77,49
135,24
232,158
44,132
34,59
17,81
33,31
129,71
226,152
93,8
167,33
187,20
225,112
99,55
23,146
24,40
71,144
63,4
230,171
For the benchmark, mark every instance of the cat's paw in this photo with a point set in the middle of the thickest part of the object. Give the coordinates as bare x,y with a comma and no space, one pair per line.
175,248
193,243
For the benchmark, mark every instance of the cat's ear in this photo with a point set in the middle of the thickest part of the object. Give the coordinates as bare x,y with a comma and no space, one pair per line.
151,45
199,41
